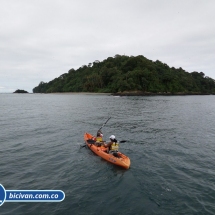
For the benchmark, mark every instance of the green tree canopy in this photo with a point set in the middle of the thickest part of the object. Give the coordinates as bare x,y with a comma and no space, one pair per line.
123,73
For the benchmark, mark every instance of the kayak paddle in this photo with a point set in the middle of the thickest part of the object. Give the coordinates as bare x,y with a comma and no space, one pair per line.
89,141
93,141
104,124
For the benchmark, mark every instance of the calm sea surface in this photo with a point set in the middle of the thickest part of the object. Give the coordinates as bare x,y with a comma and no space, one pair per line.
170,141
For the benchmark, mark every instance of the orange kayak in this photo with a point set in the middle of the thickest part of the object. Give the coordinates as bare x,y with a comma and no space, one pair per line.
121,160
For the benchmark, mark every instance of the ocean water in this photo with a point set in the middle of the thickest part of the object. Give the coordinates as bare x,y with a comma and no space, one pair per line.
170,141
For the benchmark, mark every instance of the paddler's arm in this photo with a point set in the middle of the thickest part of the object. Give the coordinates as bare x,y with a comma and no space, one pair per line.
107,145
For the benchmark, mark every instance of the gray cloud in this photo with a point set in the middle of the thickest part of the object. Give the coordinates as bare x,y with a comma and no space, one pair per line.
40,40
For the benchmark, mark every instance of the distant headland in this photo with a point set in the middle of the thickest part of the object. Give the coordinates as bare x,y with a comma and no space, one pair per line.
20,91
130,75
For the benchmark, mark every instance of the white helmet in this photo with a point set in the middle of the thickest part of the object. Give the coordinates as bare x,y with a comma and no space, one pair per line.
112,137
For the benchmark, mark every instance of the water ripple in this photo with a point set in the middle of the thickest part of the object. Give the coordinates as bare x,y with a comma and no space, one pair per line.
170,141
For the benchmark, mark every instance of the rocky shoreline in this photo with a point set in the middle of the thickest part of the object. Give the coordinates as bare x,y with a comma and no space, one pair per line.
132,93
158,94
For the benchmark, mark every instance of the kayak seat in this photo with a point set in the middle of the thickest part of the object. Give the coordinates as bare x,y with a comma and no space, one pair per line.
115,154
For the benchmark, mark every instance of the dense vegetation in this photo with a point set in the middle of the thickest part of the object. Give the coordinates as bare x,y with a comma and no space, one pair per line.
20,91
123,73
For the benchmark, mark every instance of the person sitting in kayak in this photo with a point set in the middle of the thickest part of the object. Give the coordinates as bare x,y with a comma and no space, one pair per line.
112,146
99,138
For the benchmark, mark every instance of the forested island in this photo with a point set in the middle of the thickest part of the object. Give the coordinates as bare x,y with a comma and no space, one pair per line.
20,91
129,75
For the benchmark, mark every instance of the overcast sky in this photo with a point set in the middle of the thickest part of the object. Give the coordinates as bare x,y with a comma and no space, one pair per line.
42,39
